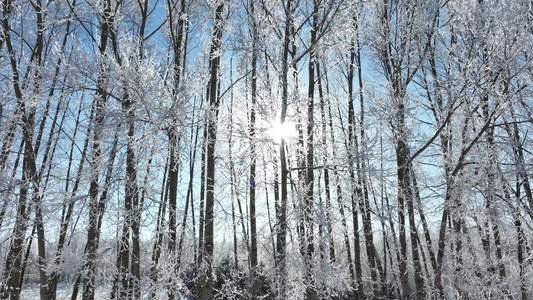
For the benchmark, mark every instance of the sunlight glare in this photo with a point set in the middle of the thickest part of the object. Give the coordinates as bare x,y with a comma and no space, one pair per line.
280,131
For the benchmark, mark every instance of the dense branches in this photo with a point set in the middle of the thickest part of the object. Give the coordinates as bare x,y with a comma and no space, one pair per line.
224,149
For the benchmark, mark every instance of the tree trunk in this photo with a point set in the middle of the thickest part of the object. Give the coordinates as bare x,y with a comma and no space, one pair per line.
95,209
356,189
310,292
281,205
253,158
156,250
329,236
205,288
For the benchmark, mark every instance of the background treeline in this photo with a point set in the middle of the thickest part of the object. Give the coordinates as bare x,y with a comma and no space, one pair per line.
254,149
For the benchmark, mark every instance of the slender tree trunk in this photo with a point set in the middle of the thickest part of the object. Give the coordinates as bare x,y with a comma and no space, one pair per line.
281,205
405,197
520,253
156,250
66,213
233,179
425,226
174,134
253,224
331,241
189,198
205,286
310,292
12,274
95,209
5,37
201,225
373,260
356,189
96,213
173,171
340,195
272,230
132,187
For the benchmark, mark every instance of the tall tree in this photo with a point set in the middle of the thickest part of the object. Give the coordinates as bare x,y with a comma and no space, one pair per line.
205,285
281,205
96,206
253,223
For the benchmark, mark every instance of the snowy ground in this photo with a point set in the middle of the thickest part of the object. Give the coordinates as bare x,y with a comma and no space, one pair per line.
64,292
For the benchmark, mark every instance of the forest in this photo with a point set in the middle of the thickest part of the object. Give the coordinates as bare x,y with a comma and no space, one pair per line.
266,149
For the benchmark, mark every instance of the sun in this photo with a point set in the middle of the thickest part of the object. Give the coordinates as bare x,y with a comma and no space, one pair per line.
279,131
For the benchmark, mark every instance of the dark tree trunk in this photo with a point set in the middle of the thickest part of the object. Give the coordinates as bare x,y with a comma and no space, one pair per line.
310,292
205,285
95,209
281,205
354,183
329,236
253,224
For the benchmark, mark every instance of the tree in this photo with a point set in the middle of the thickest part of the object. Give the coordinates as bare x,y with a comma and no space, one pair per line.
205,288
142,144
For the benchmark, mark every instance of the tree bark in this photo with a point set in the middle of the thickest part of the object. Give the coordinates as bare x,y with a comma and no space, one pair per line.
253,158
205,288
281,206
95,209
